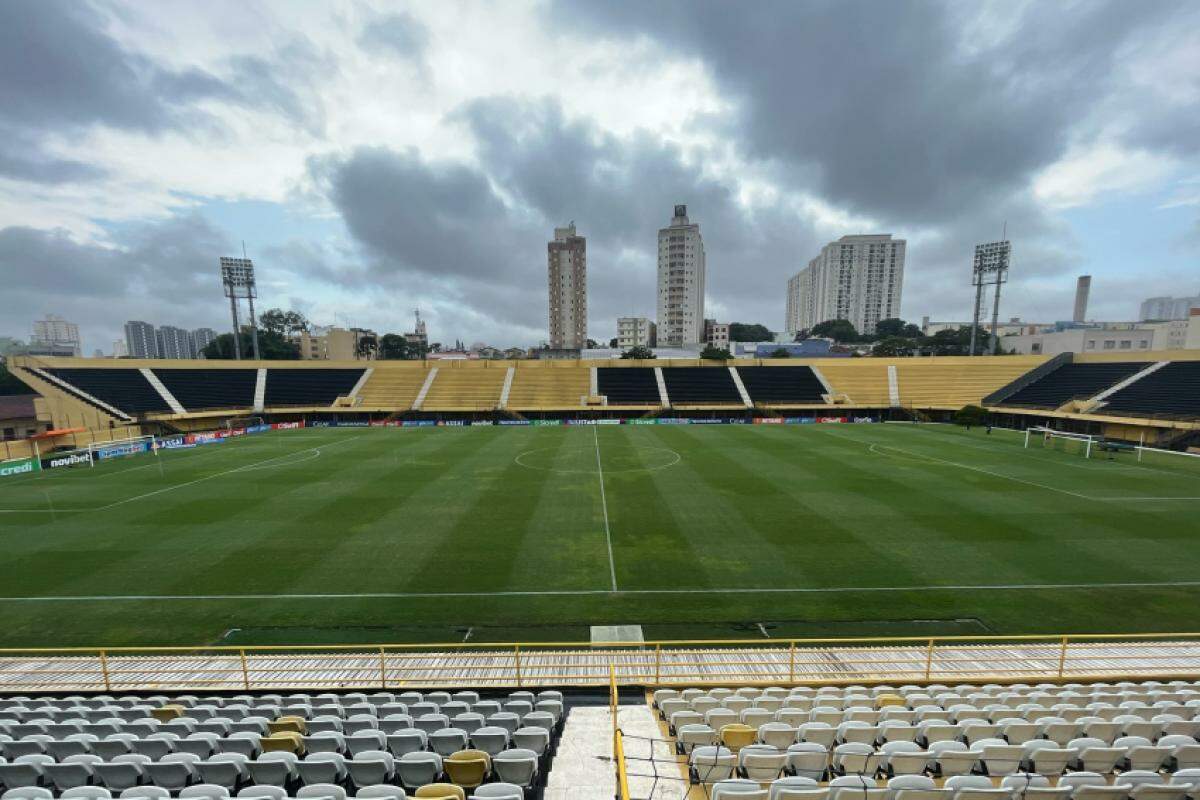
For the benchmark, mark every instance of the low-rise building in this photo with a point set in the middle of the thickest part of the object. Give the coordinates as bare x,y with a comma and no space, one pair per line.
636,332
716,334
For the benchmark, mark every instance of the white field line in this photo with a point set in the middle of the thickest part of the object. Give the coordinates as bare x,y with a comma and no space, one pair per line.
612,564
597,592
165,489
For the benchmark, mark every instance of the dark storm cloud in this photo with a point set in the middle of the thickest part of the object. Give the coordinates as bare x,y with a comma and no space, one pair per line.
881,102
100,287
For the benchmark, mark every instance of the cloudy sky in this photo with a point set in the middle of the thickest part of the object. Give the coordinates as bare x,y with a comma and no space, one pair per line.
377,158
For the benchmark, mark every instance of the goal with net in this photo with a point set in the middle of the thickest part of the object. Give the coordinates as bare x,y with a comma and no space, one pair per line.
122,447
236,423
1062,441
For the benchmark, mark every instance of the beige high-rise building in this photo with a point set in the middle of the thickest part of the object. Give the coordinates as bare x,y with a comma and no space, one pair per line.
636,332
856,278
681,270
56,333
566,281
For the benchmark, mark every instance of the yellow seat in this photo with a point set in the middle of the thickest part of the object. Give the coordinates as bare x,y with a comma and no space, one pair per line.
468,768
736,736
287,725
441,791
168,712
885,700
285,742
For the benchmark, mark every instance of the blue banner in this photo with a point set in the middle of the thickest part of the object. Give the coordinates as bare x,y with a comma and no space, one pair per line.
118,450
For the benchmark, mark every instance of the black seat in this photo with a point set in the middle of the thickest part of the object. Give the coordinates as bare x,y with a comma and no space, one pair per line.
1172,391
308,387
198,389
628,385
124,389
688,385
782,385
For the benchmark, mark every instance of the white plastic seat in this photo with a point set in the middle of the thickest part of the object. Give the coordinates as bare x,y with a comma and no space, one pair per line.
25,770
1140,754
122,772
903,758
915,787
264,792
1047,758
274,768
855,787
1000,759
173,771
386,792
955,758
324,742
808,760
72,771
762,765
447,741
855,759
777,734
417,769
369,739
86,793
204,791
145,793
224,769
372,767
499,791
535,739
490,739
712,763
737,789
322,790
406,741
516,766
322,768
27,793
1094,755
1088,785
817,732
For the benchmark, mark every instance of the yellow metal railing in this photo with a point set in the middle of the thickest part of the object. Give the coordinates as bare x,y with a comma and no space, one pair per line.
618,738
665,663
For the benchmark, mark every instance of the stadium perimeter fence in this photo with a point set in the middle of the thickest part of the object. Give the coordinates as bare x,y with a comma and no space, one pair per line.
748,662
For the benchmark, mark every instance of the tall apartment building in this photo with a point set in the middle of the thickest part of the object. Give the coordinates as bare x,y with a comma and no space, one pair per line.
1083,288
56,335
681,271
856,278
636,332
141,340
174,342
1164,308
202,338
566,280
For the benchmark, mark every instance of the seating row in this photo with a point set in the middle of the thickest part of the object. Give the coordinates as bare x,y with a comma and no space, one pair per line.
300,698
441,791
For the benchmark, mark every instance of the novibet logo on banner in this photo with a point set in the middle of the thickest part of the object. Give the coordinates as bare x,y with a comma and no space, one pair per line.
68,460
19,466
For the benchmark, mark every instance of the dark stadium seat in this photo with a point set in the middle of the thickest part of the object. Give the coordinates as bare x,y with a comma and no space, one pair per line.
198,389
123,389
628,385
700,385
1172,391
782,385
1073,382
309,387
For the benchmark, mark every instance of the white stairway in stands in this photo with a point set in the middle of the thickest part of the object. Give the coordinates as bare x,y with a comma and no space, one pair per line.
163,391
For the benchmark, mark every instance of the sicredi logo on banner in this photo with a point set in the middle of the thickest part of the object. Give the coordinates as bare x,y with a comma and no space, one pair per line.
78,458
18,467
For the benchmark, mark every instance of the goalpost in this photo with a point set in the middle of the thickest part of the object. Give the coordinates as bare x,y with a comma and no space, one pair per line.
1079,443
234,423
116,448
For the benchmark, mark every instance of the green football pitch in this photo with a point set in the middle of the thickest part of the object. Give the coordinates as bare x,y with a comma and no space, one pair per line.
513,534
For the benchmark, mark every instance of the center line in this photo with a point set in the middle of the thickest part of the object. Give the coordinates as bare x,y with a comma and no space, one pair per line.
612,565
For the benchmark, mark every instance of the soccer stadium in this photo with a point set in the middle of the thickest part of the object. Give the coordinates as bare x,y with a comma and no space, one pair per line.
795,578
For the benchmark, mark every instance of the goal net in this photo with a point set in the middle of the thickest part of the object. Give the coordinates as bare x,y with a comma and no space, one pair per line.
117,448
233,423
1062,441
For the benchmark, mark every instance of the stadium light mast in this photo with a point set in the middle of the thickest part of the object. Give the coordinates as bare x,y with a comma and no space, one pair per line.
237,278
990,268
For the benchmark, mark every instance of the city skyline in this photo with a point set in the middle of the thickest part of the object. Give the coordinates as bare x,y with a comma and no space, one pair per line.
374,160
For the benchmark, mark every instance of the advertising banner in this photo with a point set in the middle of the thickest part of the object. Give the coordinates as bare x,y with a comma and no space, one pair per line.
257,428
832,420
203,438
706,421
769,421
797,420
177,443
353,424
738,421
74,458
673,421
322,424
419,423
514,422
451,423
287,426
19,466
477,422
547,422
864,420
641,421
118,450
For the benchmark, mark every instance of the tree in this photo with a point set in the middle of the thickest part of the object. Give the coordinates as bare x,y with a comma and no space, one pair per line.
638,352
887,328
840,330
366,346
895,346
780,352
968,416
271,346
392,347
613,342
713,353
285,323
592,344
749,332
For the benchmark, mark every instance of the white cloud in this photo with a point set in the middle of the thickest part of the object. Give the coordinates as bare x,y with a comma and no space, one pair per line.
1090,171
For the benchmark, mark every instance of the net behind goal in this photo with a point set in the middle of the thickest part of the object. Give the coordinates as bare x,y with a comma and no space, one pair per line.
1062,441
233,423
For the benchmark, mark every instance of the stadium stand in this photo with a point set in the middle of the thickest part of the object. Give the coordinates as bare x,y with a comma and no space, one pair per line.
894,742
393,386
1173,391
857,382
466,388
378,745
200,389
309,387
628,386
1073,382
952,382
701,386
124,389
535,388
782,385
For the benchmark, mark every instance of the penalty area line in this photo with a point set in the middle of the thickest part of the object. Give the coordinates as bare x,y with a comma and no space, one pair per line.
598,592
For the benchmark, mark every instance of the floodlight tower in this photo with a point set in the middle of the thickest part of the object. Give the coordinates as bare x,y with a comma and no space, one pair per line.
991,268
237,276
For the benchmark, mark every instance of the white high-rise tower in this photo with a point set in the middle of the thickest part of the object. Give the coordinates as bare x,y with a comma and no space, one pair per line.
680,282
856,278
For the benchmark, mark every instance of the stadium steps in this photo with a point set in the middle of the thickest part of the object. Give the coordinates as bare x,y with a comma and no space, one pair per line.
782,386
1071,382
309,387
392,386
465,388
953,382
126,390
539,388
1172,391
857,382
998,397
78,394
163,391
